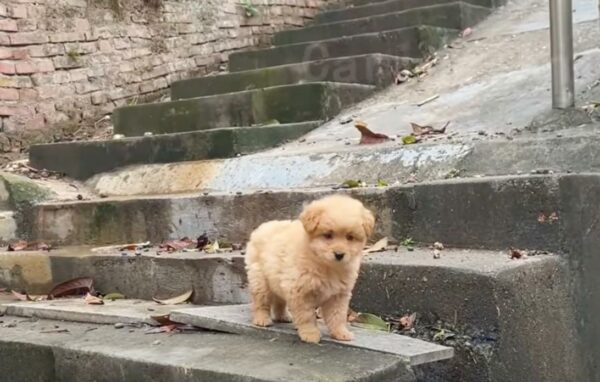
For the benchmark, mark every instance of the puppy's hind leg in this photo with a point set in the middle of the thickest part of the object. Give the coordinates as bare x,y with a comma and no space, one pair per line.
261,297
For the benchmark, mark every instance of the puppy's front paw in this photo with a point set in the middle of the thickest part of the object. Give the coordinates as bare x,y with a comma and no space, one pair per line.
310,335
261,319
342,334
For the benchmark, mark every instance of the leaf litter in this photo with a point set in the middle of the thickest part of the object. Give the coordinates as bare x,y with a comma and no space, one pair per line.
368,137
175,300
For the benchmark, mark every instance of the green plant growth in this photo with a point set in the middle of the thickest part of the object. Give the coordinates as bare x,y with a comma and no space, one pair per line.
73,54
249,8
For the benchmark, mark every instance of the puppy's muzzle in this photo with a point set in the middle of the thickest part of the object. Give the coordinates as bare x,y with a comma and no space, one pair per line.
339,255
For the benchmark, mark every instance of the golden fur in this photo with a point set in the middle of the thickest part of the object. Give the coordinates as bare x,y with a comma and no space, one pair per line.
305,264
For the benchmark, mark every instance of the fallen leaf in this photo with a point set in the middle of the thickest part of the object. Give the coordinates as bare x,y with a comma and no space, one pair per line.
466,32
553,217
114,296
409,139
368,137
20,245
93,300
442,336
381,245
541,218
400,78
176,300
123,247
382,183
3,290
371,321
517,254
408,242
78,286
212,248
351,183
423,68
164,319
437,245
421,130
44,247
178,245
170,328
441,130
21,296
408,321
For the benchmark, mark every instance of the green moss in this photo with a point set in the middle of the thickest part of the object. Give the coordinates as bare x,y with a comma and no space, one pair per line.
23,192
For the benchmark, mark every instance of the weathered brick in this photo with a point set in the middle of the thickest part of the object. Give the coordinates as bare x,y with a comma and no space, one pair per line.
48,50
8,25
28,94
27,25
99,98
3,10
15,82
59,77
81,25
105,46
78,75
67,62
28,38
67,37
20,54
86,87
5,53
81,47
25,67
10,110
7,68
18,11
9,94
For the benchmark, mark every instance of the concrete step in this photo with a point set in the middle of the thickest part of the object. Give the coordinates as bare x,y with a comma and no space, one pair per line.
36,350
228,319
369,8
286,104
371,69
237,319
456,15
495,212
80,160
412,42
491,308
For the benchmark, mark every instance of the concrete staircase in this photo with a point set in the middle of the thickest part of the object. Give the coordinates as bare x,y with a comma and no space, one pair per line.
277,94
532,318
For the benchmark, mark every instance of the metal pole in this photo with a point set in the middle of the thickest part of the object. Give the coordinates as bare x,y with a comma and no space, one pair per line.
561,50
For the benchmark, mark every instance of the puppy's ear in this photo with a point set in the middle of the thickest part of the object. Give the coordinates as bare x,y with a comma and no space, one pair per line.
310,217
368,222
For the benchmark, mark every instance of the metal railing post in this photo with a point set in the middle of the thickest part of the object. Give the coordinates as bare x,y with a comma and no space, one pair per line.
561,48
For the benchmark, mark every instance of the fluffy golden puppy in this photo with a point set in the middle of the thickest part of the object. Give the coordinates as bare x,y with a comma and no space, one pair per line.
305,264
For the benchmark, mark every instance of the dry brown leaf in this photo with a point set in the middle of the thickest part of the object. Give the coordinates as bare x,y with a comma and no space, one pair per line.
170,328
78,286
21,296
93,300
381,245
419,130
408,321
437,245
517,254
466,32
20,245
176,300
368,137
178,245
164,319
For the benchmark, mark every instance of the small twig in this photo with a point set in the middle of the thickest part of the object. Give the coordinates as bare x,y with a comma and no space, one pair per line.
427,100
55,331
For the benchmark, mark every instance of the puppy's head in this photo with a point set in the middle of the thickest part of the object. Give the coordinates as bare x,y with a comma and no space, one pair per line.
338,227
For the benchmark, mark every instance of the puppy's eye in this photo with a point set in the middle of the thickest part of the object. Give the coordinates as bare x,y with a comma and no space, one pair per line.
350,237
328,235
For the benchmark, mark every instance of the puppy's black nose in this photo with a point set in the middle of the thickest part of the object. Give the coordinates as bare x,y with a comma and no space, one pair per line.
339,255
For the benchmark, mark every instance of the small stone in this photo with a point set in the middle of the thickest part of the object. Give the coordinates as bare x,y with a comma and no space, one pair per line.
239,193
118,136
157,342
437,245
79,197
103,195
138,253
346,120
119,325
123,253
436,254
11,325
148,134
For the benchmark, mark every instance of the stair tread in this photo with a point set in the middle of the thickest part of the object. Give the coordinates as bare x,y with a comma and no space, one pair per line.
237,319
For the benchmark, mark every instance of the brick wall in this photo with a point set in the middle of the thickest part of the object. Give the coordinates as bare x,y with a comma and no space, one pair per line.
67,61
